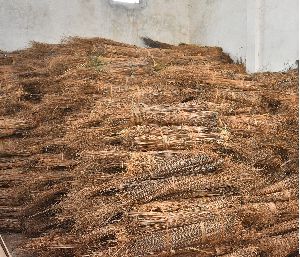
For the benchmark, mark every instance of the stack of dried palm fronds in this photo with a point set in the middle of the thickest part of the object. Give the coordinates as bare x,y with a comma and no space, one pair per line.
109,149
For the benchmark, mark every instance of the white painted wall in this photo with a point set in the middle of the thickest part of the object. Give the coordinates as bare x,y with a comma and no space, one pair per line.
261,33
22,21
264,34
220,23
279,34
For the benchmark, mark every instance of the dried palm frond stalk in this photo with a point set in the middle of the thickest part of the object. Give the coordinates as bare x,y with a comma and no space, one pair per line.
260,214
173,137
10,224
185,236
10,211
280,246
13,127
280,186
154,220
148,190
10,180
202,204
41,201
108,162
8,197
281,228
180,165
240,96
286,194
188,114
246,252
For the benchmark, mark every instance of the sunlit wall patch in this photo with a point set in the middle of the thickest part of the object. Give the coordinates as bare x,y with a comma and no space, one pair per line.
128,4
128,1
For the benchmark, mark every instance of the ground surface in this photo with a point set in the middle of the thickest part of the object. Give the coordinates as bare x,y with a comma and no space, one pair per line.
113,150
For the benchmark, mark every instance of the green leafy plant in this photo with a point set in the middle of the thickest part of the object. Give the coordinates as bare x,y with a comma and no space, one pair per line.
96,62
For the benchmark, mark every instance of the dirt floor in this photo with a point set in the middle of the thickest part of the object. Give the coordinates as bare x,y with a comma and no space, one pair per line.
107,149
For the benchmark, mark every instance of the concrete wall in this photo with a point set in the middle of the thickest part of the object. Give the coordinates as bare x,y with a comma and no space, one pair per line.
22,21
220,23
264,34
261,33
279,34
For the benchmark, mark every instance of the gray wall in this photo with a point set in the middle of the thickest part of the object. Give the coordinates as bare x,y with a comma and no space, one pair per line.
261,33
